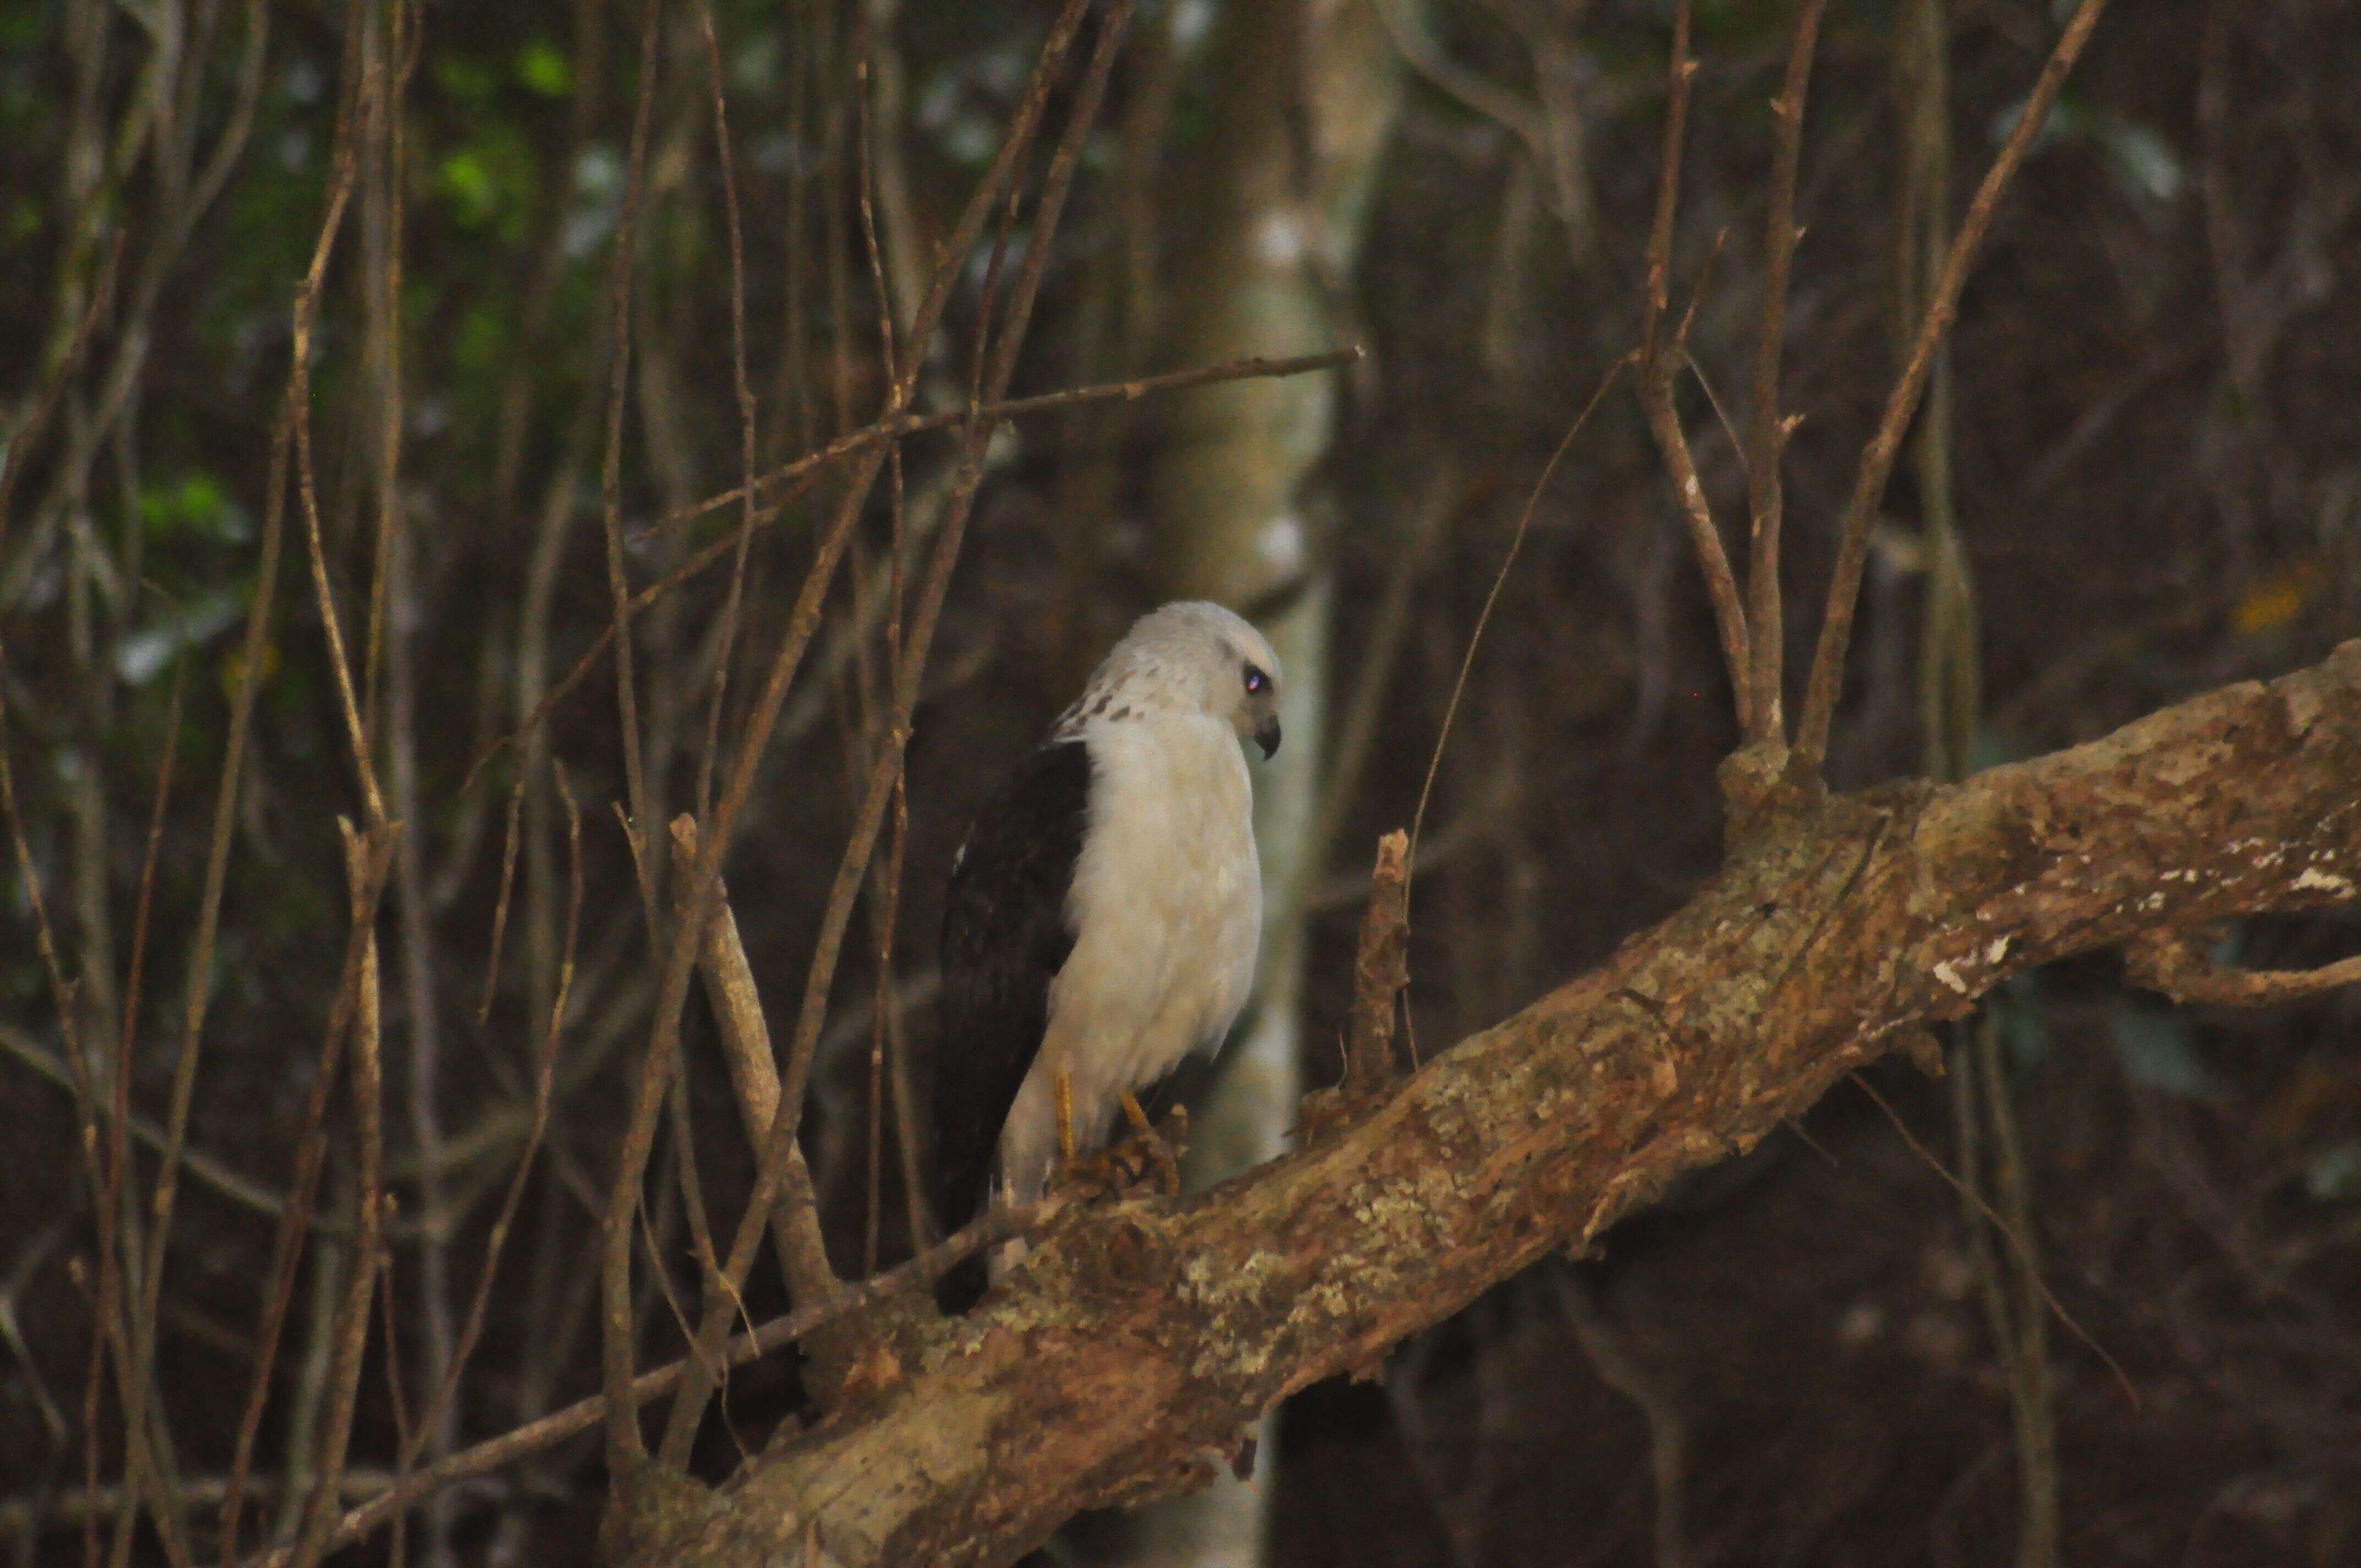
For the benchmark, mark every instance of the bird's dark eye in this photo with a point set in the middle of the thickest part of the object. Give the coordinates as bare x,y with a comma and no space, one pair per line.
1257,682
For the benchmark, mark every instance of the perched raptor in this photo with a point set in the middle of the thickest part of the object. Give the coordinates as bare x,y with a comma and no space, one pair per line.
1105,909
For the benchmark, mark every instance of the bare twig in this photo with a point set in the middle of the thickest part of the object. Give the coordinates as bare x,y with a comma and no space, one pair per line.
25,438
1484,616
200,952
989,1230
1951,709
1550,125
398,1399
864,143
731,608
861,439
508,886
893,428
755,1074
392,666
118,1263
640,827
2019,1245
884,909
1667,1433
446,1391
33,1514
390,54
1826,678
299,401
884,899
803,471
1355,732
369,854
2175,963
1473,90
140,1472
183,202
1380,969
205,1169
1766,434
310,1154
627,1448
2028,1354
884,775
1660,359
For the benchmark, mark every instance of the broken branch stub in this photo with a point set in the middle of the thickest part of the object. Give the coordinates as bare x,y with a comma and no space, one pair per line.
1380,969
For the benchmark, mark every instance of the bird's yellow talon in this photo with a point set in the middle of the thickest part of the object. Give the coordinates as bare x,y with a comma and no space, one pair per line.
1066,1117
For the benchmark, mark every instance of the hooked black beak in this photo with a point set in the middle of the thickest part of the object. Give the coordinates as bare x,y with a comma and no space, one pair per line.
1268,739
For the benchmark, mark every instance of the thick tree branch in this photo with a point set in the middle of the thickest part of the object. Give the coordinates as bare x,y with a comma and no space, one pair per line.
1134,1351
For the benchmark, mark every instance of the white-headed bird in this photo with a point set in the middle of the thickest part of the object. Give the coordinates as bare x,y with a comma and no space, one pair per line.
1105,909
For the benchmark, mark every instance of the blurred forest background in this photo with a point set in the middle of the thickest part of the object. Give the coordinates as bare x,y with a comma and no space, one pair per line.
2137,477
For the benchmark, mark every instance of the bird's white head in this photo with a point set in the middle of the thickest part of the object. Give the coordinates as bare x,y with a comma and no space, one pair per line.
1190,657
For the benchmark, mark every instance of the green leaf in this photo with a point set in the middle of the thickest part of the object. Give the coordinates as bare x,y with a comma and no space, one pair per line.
197,505
543,67
467,182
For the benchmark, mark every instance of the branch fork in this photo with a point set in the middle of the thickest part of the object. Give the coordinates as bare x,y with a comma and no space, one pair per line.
1773,771
838,1352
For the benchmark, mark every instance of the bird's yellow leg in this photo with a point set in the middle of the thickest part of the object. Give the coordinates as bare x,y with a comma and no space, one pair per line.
1065,1085
1161,1152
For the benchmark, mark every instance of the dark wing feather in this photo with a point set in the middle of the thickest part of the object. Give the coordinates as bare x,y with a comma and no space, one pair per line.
1005,940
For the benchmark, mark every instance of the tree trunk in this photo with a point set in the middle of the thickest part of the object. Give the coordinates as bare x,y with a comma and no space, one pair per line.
1273,230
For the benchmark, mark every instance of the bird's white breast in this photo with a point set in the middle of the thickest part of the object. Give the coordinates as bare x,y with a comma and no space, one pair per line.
1167,910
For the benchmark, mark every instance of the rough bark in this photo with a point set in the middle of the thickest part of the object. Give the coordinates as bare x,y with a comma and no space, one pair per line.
1144,1338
